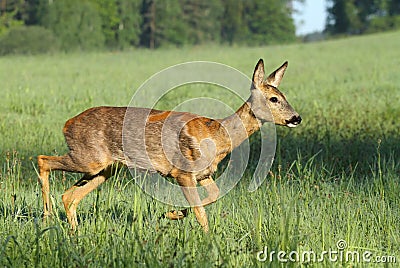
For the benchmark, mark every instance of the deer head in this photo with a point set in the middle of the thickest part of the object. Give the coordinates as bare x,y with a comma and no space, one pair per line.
267,102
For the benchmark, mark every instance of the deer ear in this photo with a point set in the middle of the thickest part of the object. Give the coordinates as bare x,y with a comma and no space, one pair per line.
274,79
258,75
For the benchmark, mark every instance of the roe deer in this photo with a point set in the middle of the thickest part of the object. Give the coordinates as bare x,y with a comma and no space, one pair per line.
195,146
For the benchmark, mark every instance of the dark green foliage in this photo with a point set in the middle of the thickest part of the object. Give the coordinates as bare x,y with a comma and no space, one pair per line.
120,21
173,30
109,19
337,20
258,22
203,19
119,24
128,31
28,40
162,24
394,7
232,21
76,23
8,21
362,16
31,11
268,22
380,24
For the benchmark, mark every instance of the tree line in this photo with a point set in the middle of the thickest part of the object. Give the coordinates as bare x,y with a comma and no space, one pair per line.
362,16
118,24
34,26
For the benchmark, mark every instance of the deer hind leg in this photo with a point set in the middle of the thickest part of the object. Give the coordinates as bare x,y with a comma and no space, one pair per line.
44,171
79,190
46,164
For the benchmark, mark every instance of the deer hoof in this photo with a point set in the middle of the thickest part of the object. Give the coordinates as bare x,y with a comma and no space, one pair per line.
176,214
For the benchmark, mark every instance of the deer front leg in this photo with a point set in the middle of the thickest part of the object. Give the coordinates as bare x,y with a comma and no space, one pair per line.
176,214
212,191
188,186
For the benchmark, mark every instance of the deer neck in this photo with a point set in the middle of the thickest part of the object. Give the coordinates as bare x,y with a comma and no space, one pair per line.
241,125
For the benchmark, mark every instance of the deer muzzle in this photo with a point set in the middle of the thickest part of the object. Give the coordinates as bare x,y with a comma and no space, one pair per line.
294,121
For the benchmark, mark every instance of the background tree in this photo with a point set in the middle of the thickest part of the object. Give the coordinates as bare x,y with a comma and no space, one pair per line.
268,22
28,40
337,20
109,18
76,23
162,24
394,7
203,19
9,16
148,29
232,25
119,24
362,16
128,31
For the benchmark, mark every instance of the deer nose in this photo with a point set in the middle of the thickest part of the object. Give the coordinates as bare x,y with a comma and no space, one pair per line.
294,121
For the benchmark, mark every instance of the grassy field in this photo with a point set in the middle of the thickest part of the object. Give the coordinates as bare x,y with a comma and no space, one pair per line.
335,177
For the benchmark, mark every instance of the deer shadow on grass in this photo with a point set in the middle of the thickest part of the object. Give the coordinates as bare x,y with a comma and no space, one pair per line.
356,156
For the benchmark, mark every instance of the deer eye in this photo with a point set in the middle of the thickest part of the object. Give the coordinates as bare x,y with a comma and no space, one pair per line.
273,99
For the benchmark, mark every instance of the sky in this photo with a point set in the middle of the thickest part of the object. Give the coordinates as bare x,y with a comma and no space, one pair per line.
311,17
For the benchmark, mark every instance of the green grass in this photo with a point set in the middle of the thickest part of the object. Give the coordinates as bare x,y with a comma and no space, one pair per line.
335,177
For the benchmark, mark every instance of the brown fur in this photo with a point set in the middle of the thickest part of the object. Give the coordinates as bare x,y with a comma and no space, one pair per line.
195,144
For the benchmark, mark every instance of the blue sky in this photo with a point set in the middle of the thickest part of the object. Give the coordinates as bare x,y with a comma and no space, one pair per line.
312,16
